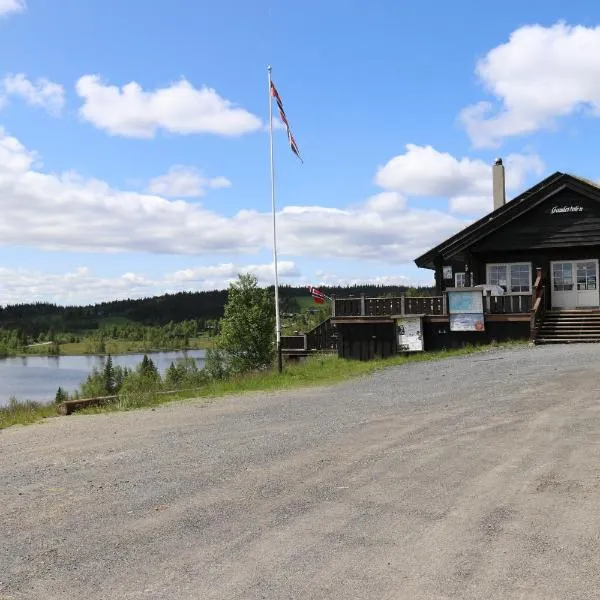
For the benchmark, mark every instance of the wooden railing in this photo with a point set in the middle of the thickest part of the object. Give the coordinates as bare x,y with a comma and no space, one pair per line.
401,305
293,342
432,305
322,337
501,305
539,303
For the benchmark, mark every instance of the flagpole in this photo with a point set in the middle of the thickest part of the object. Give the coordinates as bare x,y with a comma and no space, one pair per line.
277,319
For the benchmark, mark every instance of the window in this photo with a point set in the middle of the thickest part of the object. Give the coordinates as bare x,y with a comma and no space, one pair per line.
562,276
459,280
586,275
512,278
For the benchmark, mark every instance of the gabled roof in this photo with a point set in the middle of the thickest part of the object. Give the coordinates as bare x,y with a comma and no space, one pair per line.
510,211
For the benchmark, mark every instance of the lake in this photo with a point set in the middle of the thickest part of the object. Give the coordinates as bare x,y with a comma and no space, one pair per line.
38,377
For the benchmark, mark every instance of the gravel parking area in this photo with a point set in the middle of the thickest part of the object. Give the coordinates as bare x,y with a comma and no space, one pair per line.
471,477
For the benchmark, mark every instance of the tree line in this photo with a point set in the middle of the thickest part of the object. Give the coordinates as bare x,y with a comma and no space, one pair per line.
204,307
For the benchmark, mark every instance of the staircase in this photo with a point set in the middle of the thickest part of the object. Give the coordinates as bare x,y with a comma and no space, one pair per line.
569,327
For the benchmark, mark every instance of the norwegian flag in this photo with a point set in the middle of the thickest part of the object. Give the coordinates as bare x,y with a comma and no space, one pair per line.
291,139
318,295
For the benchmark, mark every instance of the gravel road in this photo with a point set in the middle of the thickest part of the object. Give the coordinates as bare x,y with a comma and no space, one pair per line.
472,477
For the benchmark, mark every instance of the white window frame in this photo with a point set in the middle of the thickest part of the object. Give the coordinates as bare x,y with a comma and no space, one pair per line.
464,279
508,282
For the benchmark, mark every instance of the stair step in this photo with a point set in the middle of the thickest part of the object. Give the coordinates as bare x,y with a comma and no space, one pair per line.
567,341
567,328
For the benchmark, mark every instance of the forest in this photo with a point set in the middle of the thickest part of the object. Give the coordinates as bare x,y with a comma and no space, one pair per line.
169,321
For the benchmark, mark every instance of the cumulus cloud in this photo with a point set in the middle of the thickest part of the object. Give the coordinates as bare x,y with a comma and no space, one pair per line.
12,6
82,286
181,108
41,93
185,182
66,211
386,202
423,171
538,76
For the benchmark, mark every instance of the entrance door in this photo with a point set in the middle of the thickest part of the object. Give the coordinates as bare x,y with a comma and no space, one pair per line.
575,284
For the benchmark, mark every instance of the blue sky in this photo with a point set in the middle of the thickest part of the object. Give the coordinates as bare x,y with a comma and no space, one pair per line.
134,149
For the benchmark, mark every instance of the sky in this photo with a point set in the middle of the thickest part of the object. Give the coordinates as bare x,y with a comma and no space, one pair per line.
134,145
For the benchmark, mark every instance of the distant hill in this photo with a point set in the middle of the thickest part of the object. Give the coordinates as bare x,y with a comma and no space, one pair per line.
159,310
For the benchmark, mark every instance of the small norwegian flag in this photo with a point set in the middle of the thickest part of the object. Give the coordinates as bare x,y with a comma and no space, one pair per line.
318,295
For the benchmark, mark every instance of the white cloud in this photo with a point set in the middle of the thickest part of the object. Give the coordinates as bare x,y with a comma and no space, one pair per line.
180,108
185,182
41,93
539,75
227,272
423,171
81,286
386,202
12,6
68,212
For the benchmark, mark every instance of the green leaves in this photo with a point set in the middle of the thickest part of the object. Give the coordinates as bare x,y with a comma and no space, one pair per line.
247,337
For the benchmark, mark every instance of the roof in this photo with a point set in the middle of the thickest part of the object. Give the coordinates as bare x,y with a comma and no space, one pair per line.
503,215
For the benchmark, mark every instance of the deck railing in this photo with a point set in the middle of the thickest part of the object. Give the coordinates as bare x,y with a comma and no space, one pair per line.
400,305
501,305
430,305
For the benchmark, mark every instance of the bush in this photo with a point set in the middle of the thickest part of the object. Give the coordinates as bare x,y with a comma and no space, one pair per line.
248,327
215,364
184,374
138,389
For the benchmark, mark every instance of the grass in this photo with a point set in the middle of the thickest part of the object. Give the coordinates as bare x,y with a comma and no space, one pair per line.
316,370
24,412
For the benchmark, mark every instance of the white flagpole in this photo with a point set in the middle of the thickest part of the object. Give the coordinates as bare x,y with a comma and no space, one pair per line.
277,320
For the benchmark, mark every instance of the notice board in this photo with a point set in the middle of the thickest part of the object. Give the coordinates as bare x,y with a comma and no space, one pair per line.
409,331
465,307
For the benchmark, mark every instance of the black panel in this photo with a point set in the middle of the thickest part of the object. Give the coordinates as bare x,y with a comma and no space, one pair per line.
437,336
365,341
566,219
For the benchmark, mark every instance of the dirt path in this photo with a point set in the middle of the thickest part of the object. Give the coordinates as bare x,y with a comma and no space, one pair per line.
476,477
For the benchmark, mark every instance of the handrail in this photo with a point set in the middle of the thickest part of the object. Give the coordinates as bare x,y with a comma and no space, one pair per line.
539,305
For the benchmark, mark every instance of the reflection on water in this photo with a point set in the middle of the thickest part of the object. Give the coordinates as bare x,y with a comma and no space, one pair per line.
38,377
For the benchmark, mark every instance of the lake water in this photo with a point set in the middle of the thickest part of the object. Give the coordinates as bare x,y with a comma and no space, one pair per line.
38,377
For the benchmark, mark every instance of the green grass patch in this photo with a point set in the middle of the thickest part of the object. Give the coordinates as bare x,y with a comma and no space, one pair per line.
24,412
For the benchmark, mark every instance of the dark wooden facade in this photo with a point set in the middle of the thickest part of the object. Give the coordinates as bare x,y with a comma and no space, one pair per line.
542,248
556,220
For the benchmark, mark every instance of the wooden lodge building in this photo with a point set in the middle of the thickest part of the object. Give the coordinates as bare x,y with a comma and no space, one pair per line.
527,270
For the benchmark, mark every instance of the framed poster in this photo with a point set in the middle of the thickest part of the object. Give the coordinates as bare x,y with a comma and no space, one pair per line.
447,270
467,322
466,310
410,334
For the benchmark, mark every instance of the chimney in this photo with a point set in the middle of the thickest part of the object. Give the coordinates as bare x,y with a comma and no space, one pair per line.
498,184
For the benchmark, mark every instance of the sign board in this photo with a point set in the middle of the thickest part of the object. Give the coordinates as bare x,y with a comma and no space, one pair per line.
465,301
410,334
466,310
467,322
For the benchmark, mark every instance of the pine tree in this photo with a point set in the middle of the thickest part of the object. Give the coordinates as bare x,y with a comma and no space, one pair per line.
61,396
109,376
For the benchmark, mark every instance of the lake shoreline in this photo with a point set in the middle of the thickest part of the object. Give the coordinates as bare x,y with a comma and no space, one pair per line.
37,377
